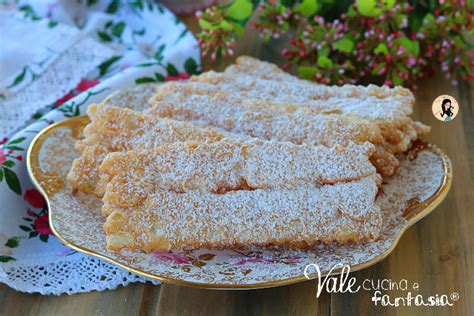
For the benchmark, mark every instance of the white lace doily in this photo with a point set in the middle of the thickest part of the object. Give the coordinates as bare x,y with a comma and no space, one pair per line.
77,273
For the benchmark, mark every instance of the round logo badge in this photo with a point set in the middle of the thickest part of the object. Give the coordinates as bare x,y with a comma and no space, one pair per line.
445,108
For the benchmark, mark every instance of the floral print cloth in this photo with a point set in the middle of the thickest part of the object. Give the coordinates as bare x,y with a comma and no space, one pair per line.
149,45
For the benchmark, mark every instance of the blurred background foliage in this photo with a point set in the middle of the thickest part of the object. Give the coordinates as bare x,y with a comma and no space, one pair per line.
338,42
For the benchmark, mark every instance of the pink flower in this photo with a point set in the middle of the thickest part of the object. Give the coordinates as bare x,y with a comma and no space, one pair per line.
41,224
34,198
180,76
3,157
171,257
86,84
65,98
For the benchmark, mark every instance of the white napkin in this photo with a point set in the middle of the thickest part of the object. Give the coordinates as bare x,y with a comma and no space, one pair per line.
151,45
40,61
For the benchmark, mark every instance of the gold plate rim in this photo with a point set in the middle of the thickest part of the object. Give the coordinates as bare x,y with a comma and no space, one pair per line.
417,213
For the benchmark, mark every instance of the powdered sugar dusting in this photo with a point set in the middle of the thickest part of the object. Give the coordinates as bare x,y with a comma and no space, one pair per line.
78,219
298,216
229,165
282,123
252,78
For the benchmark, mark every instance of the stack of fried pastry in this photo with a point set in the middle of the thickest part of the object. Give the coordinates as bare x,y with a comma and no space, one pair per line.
249,156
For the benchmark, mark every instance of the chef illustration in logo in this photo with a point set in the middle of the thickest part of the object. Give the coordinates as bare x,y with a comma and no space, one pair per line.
445,108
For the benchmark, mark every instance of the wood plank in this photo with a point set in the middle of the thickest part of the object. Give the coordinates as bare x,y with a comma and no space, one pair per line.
297,299
122,301
438,251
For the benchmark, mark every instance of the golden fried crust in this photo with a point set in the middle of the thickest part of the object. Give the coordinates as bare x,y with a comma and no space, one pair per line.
229,165
291,217
259,79
280,122
283,122
387,107
114,129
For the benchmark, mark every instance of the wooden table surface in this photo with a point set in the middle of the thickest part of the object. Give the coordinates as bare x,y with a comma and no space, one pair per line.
437,253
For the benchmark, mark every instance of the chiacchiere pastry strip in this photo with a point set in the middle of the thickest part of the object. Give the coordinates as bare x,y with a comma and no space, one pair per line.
228,165
280,122
387,107
252,77
283,123
398,129
291,217
115,129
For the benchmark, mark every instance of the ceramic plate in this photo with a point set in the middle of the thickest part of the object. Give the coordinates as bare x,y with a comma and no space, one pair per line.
420,184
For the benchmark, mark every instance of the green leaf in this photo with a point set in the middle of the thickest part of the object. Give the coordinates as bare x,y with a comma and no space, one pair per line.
307,72
160,8
106,64
144,80
191,66
1,175
32,234
159,77
17,140
429,18
113,6
205,25
117,30
351,12
411,46
6,259
323,52
376,70
368,8
238,29
91,2
181,35
158,56
137,4
13,242
226,26
239,10
307,7
140,32
344,44
145,65
44,238
171,69
18,78
52,24
388,4
381,49
14,148
104,36
9,163
25,228
397,81
324,62
12,181
416,48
